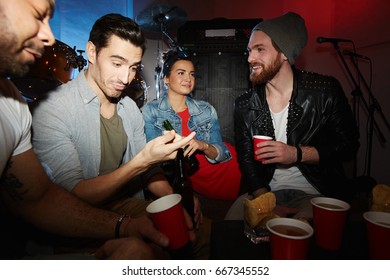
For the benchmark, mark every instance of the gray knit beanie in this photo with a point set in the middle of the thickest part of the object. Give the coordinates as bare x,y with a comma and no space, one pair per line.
288,32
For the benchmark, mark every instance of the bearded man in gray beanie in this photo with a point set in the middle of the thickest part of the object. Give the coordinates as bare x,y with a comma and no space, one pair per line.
307,115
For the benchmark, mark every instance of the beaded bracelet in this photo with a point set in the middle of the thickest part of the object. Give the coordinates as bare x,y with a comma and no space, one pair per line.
118,225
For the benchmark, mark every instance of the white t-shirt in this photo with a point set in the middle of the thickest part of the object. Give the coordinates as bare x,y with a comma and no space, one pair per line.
287,177
15,123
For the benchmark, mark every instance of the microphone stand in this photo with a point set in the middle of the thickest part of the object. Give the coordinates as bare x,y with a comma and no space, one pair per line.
157,72
171,43
374,107
370,109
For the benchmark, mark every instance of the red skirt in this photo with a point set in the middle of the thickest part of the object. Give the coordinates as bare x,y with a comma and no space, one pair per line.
220,180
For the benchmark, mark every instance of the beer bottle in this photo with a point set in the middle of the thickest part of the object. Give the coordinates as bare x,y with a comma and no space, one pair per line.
192,161
182,184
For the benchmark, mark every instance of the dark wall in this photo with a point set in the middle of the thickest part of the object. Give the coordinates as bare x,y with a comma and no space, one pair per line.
365,22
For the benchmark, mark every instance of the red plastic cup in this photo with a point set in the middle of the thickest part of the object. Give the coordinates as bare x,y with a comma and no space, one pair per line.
329,216
258,139
378,234
289,238
168,217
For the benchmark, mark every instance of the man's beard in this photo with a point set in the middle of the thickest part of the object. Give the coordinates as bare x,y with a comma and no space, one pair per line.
9,65
11,68
267,73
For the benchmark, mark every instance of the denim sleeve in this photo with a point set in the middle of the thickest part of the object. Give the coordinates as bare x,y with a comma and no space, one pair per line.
216,139
151,131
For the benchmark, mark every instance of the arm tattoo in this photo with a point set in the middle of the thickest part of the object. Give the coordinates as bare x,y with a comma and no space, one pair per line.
12,185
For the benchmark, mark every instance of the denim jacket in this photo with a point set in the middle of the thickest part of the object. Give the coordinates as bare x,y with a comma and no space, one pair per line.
203,120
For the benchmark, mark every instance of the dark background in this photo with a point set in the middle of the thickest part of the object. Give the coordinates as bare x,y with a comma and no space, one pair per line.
222,73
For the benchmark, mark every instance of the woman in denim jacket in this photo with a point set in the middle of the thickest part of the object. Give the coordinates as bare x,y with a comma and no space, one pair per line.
218,175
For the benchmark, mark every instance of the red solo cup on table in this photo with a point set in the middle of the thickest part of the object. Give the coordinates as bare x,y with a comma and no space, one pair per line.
258,139
329,216
168,217
378,234
289,238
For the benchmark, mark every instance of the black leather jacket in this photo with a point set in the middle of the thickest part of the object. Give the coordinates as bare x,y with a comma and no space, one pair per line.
319,115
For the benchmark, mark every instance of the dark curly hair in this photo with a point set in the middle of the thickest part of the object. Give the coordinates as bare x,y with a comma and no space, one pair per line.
171,57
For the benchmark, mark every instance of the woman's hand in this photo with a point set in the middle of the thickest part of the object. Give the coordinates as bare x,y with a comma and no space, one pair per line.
193,146
207,149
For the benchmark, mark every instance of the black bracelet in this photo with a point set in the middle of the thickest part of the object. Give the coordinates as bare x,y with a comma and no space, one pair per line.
118,225
299,154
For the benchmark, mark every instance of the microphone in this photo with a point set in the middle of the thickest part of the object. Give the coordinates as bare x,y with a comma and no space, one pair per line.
353,54
321,40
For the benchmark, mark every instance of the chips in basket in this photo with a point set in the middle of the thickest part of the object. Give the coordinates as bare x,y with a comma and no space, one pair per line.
260,210
381,198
